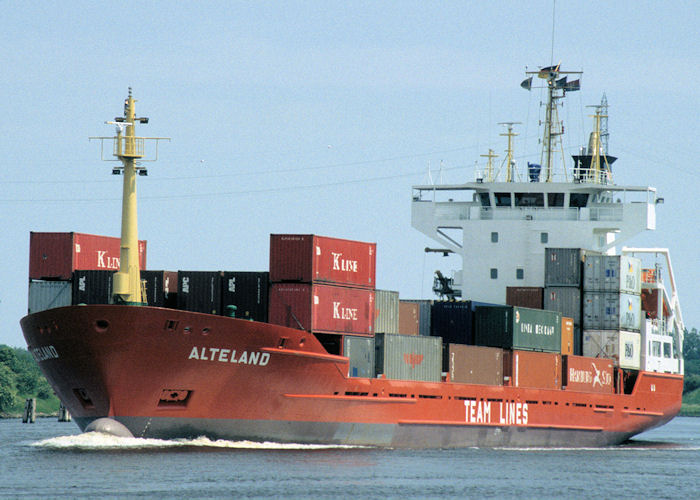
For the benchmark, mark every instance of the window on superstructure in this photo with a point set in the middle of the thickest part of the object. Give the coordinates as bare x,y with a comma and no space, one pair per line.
667,350
529,199
494,237
578,200
494,273
519,274
485,200
544,237
502,199
555,199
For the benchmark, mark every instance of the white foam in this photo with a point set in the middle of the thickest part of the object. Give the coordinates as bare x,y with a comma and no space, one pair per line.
101,441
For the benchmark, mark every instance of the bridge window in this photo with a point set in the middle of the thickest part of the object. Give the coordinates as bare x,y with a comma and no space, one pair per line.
555,199
529,199
544,237
494,237
494,273
485,200
578,200
519,274
667,350
502,199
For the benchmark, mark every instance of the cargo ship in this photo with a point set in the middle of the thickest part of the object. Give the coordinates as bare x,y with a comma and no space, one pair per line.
546,337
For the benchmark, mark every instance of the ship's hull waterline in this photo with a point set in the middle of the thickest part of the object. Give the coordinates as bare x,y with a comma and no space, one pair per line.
166,373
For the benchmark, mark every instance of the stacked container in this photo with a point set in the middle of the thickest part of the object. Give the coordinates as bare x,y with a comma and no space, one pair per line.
248,292
612,311
525,296
408,357
386,311
199,291
424,311
470,364
161,288
409,318
563,284
520,328
360,353
322,284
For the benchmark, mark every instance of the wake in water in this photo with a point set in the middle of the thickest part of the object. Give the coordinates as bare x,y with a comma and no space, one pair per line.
100,441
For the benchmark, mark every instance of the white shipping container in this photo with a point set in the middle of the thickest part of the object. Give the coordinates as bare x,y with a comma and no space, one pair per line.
612,273
657,350
623,347
45,295
386,314
611,311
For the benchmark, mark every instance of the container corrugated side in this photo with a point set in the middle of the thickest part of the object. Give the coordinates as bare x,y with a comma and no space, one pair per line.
536,370
587,374
311,258
567,336
562,266
409,357
511,327
248,291
623,347
611,311
424,320
469,364
564,299
322,308
57,255
612,273
525,296
199,291
45,295
452,321
92,287
360,352
161,288
386,311
409,318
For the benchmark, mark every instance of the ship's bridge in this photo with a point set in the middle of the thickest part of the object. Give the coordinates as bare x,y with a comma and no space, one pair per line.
502,228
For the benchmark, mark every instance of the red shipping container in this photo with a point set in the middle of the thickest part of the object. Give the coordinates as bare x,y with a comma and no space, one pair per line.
57,255
409,318
587,374
309,258
322,308
537,370
567,335
525,296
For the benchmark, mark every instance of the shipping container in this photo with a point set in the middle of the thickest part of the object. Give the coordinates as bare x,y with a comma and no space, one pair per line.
54,256
199,291
248,291
564,299
310,258
408,357
322,308
623,347
470,364
424,315
452,321
611,311
525,296
587,374
92,287
45,295
522,328
161,288
567,336
658,353
562,266
612,273
360,352
535,370
386,311
650,303
409,318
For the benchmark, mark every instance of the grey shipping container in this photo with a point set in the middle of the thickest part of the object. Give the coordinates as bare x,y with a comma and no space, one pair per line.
562,266
92,287
409,357
386,313
45,295
360,352
524,296
470,364
564,299
522,328
612,273
623,347
248,291
161,288
611,311
199,291
425,307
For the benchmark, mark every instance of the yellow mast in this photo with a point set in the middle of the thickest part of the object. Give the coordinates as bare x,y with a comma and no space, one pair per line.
509,152
126,287
489,165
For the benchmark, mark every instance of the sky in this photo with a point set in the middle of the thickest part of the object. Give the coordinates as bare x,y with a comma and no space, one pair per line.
319,116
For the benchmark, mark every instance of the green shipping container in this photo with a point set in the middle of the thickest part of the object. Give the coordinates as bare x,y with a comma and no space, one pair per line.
520,328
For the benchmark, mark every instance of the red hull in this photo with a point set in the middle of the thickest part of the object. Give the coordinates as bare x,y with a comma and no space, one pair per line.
169,373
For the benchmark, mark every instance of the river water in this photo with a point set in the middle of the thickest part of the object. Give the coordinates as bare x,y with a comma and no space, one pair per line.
49,459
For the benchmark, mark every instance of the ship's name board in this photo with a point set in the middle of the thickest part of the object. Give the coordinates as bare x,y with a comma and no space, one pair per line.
340,264
43,353
506,413
223,355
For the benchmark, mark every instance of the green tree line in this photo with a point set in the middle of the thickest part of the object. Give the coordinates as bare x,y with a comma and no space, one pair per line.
691,353
20,379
